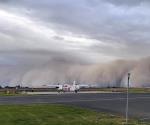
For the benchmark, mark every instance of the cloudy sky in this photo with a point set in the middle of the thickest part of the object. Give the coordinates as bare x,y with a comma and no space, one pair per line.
34,33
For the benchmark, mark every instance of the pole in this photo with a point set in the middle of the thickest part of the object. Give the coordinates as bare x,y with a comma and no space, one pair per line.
127,102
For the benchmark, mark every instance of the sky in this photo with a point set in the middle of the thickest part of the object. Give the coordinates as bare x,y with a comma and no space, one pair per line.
40,36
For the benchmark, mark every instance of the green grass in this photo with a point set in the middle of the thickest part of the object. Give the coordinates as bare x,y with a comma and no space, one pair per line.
55,115
139,90
11,94
131,90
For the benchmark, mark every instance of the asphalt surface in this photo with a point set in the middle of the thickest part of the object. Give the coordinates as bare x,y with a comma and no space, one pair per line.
115,103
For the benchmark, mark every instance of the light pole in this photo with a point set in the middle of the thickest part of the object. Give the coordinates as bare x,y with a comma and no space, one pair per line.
127,102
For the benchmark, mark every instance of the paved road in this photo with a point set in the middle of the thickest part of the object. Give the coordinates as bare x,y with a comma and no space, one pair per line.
139,104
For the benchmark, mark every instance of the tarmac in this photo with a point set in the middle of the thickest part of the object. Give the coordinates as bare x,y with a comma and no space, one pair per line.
114,103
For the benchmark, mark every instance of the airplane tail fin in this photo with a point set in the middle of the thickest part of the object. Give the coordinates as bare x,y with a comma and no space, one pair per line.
74,82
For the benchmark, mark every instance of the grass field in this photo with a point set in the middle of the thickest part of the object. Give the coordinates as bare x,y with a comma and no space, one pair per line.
131,90
55,115
12,92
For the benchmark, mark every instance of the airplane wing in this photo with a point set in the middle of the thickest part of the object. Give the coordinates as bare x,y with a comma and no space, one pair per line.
51,86
84,86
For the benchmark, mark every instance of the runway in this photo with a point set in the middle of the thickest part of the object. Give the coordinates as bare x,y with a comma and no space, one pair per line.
139,104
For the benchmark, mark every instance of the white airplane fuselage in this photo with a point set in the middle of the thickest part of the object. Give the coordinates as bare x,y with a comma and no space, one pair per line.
68,88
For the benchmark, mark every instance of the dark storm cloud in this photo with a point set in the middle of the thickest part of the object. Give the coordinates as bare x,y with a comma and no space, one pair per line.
116,24
110,21
48,40
129,3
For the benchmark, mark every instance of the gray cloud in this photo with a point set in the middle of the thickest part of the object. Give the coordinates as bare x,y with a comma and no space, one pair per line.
129,3
66,34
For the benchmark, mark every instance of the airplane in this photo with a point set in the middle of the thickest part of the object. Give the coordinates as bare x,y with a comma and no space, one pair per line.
67,87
